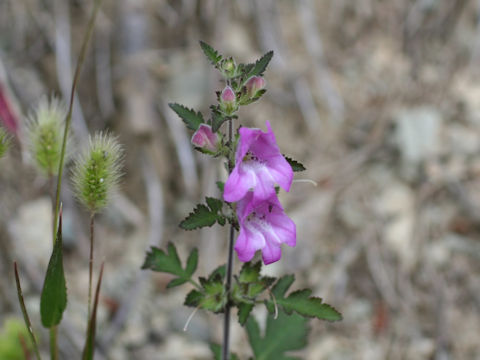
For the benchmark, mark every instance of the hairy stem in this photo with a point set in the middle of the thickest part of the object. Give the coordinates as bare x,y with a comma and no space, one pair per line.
90,262
228,282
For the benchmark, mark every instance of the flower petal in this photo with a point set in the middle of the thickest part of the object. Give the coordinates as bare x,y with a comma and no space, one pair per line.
238,184
248,242
271,253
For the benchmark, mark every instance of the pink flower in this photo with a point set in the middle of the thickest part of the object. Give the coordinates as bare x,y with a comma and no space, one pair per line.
205,138
228,102
259,165
227,96
254,84
263,226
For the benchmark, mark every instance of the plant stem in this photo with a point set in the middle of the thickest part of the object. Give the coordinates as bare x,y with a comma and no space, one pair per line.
68,119
53,343
90,262
228,282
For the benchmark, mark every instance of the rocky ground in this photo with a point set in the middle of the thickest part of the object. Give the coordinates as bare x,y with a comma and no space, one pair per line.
379,99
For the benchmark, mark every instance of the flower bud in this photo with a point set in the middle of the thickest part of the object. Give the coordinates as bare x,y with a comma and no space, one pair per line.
4,142
97,171
254,85
205,139
228,100
45,129
228,67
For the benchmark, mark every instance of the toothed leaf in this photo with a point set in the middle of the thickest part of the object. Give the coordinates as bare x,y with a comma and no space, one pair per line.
169,262
286,333
200,217
244,311
211,53
296,166
260,65
191,118
301,302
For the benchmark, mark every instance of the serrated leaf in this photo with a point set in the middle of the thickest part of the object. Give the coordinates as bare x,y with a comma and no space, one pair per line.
214,204
191,118
212,295
286,333
296,166
250,284
220,271
200,217
301,302
244,310
211,53
53,300
217,352
193,298
260,65
169,262
250,272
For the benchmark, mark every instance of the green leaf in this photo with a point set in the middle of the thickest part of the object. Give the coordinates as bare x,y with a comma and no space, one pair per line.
89,349
204,215
301,302
286,333
245,100
169,262
221,186
200,217
53,300
211,53
26,317
192,262
244,310
296,166
191,119
212,295
260,65
217,118
217,352
249,283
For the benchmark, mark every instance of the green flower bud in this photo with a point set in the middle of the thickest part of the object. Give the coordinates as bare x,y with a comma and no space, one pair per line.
4,142
228,68
45,128
97,171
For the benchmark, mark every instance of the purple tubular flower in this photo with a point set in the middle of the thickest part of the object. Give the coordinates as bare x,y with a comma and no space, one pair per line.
205,138
259,165
263,226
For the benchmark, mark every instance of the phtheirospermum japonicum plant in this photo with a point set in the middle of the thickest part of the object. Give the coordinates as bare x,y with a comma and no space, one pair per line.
95,174
250,207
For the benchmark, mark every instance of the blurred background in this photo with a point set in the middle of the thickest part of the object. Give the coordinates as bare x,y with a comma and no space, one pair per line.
379,99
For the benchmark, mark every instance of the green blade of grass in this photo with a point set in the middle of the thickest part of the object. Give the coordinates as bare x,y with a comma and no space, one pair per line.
25,313
68,119
89,348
